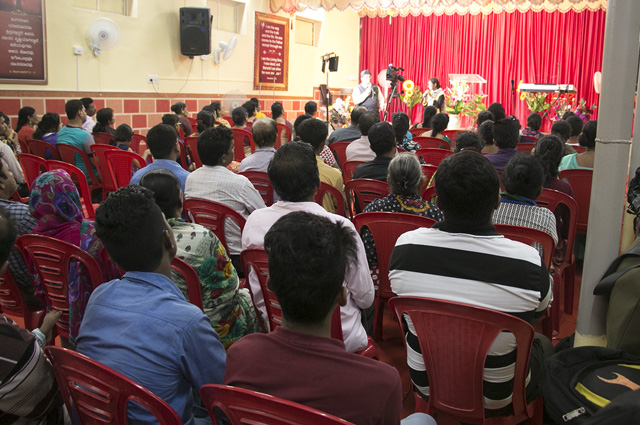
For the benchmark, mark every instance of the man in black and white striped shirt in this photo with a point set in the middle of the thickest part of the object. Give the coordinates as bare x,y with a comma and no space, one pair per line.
462,259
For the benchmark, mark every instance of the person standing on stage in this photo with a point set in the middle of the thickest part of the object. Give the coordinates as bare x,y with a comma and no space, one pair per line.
434,96
368,95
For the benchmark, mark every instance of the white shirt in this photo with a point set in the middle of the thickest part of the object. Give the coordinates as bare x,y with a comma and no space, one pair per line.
12,162
357,280
88,124
218,184
360,150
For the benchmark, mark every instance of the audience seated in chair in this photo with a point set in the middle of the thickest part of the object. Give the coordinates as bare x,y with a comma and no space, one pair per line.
462,259
405,182
180,109
383,142
205,120
439,124
484,116
351,133
400,122
428,113
10,157
105,120
265,133
90,109
550,151
55,203
216,183
314,132
73,134
534,122
29,393
468,141
277,113
47,130
164,145
576,128
27,120
239,116
360,149
229,308
485,131
141,325
585,159
505,137
24,223
562,130
309,258
294,174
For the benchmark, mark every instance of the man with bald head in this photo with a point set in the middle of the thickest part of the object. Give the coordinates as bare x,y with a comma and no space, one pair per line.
265,134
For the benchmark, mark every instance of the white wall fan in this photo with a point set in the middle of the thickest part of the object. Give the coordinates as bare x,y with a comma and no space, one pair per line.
225,51
102,34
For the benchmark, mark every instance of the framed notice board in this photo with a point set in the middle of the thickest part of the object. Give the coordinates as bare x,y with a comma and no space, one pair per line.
22,42
271,53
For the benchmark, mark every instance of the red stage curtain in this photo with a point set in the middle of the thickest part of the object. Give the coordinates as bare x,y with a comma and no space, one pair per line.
535,47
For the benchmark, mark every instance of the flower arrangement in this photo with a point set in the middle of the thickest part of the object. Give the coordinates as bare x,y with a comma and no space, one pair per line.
340,111
536,102
412,94
584,111
458,100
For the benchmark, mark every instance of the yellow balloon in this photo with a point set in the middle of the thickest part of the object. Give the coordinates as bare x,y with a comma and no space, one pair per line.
408,85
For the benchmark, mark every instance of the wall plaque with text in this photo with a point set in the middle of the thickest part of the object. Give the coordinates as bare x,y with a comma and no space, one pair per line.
271,53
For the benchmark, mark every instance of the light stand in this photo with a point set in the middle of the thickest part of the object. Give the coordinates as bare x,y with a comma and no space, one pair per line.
332,59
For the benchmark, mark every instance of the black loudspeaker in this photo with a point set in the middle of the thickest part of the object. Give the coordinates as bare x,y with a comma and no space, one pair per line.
195,31
333,64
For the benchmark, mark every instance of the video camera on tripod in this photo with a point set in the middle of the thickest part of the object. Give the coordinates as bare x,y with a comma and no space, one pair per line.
393,75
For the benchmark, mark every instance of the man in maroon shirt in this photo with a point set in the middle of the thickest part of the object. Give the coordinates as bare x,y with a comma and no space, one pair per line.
308,258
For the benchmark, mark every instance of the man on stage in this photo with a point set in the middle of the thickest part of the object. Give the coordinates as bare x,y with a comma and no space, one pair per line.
368,95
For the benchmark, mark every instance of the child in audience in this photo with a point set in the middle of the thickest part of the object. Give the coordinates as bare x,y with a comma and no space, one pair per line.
534,122
123,137
400,122
47,130
104,122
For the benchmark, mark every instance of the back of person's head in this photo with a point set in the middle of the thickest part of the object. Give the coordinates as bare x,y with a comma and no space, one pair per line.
588,136
216,108
239,116
124,133
314,132
497,110
276,110
8,234
468,141
87,102
524,176
265,132
485,131
161,140
550,151
562,129
404,175
72,108
401,123
505,134
484,116
132,228
255,102
439,124
170,119
205,120
356,113
382,138
24,114
208,108
568,114
178,107
467,188
429,112
104,116
213,143
308,259
166,190
310,107
299,120
367,120
534,121
576,125
250,107
293,172
50,123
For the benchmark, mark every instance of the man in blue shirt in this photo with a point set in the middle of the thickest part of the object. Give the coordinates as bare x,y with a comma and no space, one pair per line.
73,134
141,325
163,143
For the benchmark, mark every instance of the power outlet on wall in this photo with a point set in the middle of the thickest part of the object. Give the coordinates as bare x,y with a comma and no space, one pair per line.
153,79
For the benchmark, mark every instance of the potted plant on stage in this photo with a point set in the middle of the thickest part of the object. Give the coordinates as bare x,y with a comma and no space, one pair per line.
460,103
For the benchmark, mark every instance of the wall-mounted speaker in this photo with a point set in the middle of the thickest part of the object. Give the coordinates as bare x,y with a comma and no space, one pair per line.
195,31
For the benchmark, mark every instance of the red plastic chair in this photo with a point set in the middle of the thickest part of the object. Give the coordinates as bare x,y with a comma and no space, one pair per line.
283,128
191,143
455,339
326,189
99,394
416,132
136,141
24,147
69,153
212,215
261,182
386,228
32,167
360,192
429,194
228,119
41,148
242,406
123,165
52,260
102,138
428,171
107,178
452,134
339,150
238,142
183,156
580,181
349,168
565,272
528,139
191,278
525,147
578,148
194,123
431,143
80,180
433,156
12,302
